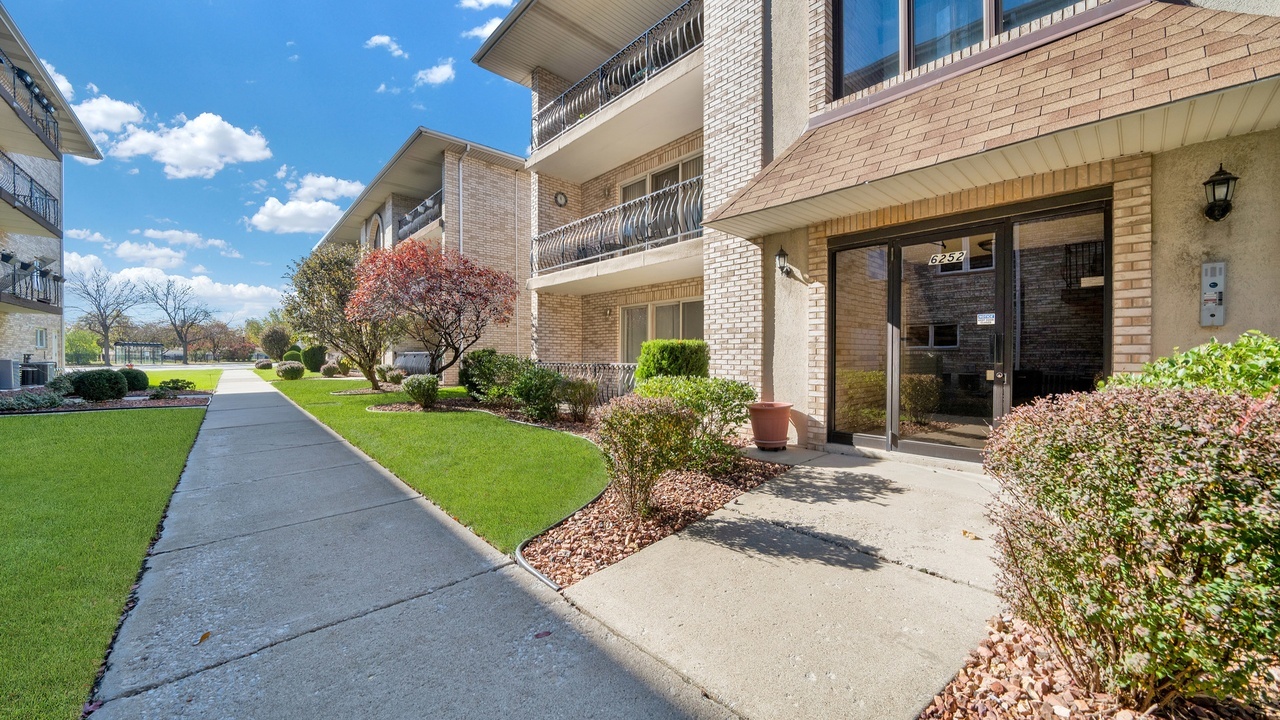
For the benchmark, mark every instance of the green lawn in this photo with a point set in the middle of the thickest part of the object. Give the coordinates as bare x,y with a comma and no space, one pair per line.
271,376
504,480
80,498
204,379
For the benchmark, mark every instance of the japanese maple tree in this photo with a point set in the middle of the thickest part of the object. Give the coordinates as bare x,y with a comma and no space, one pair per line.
443,300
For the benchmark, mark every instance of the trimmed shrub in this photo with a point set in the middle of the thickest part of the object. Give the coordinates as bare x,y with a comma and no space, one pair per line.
675,358
1250,365
313,358
1138,528
380,371
291,370
535,390
422,389
294,356
344,365
579,395
29,400
476,366
395,376
136,379
160,393
275,342
920,397
721,408
263,365
643,438
295,348
61,383
860,399
100,385
330,370
177,384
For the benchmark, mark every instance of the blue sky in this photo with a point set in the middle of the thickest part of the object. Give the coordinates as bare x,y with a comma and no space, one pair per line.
235,131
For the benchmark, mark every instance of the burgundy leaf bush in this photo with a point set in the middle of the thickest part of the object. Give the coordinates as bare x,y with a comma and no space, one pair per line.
1139,528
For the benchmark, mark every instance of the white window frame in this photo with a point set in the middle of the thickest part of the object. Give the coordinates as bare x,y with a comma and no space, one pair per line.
622,310
965,263
42,338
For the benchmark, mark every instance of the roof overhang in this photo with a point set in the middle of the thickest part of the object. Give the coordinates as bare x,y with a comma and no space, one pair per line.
75,139
1242,109
570,38
416,170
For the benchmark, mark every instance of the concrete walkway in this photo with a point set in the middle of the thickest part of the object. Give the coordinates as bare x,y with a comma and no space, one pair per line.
330,589
849,588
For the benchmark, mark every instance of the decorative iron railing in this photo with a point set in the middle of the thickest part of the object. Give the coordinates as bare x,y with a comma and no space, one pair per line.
27,191
41,286
612,379
427,212
667,216
30,97
672,38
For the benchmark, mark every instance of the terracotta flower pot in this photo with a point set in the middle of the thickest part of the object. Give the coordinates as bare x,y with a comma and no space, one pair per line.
769,424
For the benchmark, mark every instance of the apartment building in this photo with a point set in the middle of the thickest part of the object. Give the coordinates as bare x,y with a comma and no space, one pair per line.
459,195
912,215
36,130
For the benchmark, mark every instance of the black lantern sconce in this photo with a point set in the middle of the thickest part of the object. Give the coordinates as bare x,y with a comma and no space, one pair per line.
783,266
1218,190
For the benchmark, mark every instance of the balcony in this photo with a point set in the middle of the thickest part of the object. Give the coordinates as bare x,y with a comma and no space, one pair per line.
39,212
427,212
33,106
30,288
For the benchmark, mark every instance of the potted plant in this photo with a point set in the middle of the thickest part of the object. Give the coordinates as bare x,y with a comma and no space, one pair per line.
769,423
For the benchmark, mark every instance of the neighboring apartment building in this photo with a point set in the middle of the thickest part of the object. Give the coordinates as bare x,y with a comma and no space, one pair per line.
460,195
919,213
36,130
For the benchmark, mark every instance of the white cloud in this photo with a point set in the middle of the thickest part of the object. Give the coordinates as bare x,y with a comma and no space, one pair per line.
74,262
436,74
199,147
483,31
296,216
133,171
91,88
86,235
190,239
387,42
104,114
325,187
64,85
290,43
230,253
282,172
199,269
260,263
384,88
231,301
150,254
483,4
294,58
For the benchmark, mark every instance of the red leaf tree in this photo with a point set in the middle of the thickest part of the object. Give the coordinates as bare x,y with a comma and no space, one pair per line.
444,300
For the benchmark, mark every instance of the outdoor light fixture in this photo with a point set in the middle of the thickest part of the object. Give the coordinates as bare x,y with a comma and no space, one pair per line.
1219,189
783,266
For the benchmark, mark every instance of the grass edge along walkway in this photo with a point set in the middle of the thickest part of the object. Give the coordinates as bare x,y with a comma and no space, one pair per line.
504,480
78,516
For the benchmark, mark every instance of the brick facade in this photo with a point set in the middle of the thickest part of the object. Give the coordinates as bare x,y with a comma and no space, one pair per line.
18,329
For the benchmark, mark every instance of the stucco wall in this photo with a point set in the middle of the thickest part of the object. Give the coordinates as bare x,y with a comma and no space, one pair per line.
1247,240
785,371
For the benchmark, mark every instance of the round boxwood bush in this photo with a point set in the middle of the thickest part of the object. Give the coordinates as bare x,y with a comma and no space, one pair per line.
291,370
313,357
330,370
535,390
262,365
100,385
422,389
136,378
295,348
294,356
395,376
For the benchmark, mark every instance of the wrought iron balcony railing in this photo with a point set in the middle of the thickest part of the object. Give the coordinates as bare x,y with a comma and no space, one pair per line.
612,379
667,216
30,97
672,38
34,285
427,212
27,191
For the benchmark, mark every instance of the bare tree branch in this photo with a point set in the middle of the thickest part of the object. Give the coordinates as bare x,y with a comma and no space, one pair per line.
107,300
185,312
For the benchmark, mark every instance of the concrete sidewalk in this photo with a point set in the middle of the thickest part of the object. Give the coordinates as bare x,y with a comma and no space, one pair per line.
846,588
330,589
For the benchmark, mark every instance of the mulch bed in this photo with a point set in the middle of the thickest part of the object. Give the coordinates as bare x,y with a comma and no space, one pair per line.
115,405
146,393
1015,673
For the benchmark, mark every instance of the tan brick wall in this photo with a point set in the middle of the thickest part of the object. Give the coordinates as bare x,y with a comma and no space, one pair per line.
605,190
557,327
588,328
546,214
1130,180
547,86
733,91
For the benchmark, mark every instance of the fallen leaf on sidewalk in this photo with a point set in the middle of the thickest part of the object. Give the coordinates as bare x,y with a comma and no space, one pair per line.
203,637
544,633
969,535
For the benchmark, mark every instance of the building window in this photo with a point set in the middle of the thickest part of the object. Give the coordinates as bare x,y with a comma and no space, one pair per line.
931,336
869,34
42,338
975,254
679,320
664,178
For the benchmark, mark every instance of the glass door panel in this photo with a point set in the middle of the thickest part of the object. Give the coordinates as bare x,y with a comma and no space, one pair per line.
949,340
635,331
861,341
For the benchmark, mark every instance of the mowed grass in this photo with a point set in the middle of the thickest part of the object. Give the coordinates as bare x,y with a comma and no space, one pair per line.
80,498
204,379
504,480
271,376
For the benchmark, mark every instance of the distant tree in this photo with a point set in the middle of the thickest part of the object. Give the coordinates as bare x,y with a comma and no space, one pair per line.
444,300
323,285
81,346
275,342
254,327
217,338
106,302
185,312
151,331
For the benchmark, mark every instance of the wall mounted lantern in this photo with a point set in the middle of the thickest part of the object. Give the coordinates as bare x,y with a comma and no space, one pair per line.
1219,189
783,266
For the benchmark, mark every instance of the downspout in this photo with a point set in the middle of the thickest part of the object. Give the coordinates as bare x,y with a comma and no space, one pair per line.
461,225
